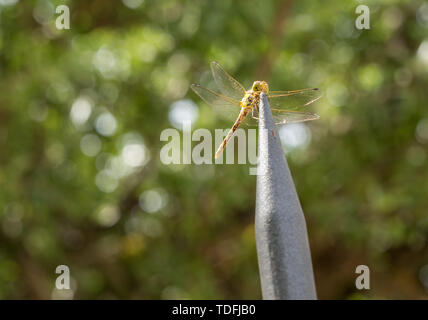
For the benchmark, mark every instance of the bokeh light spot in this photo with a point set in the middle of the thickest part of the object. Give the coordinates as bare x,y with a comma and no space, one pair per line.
152,201
182,111
90,145
337,94
105,181
294,135
107,215
106,124
133,4
81,110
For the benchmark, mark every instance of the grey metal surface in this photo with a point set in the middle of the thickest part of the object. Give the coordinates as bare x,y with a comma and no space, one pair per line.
283,251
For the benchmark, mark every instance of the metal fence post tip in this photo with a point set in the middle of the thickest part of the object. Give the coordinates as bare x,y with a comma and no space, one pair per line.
283,251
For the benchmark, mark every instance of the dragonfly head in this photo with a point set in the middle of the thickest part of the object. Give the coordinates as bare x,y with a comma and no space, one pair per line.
260,86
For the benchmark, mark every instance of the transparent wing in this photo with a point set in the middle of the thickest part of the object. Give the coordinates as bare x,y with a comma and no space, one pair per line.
294,100
225,83
225,107
216,99
285,116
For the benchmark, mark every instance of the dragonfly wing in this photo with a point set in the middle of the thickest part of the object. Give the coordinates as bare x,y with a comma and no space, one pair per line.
226,83
226,107
294,100
283,117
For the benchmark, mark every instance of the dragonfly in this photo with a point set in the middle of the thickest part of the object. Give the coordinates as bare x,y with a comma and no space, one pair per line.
235,102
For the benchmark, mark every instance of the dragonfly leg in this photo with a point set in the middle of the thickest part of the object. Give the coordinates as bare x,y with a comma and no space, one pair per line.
252,113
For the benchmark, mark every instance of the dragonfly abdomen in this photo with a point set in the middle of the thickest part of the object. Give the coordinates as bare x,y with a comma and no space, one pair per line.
241,117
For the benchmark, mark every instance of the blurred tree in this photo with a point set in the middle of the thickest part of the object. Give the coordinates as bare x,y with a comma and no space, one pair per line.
81,112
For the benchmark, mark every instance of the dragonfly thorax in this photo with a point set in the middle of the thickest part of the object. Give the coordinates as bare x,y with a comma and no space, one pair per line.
250,99
252,96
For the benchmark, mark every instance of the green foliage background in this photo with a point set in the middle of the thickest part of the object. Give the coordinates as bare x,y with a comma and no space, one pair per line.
362,181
